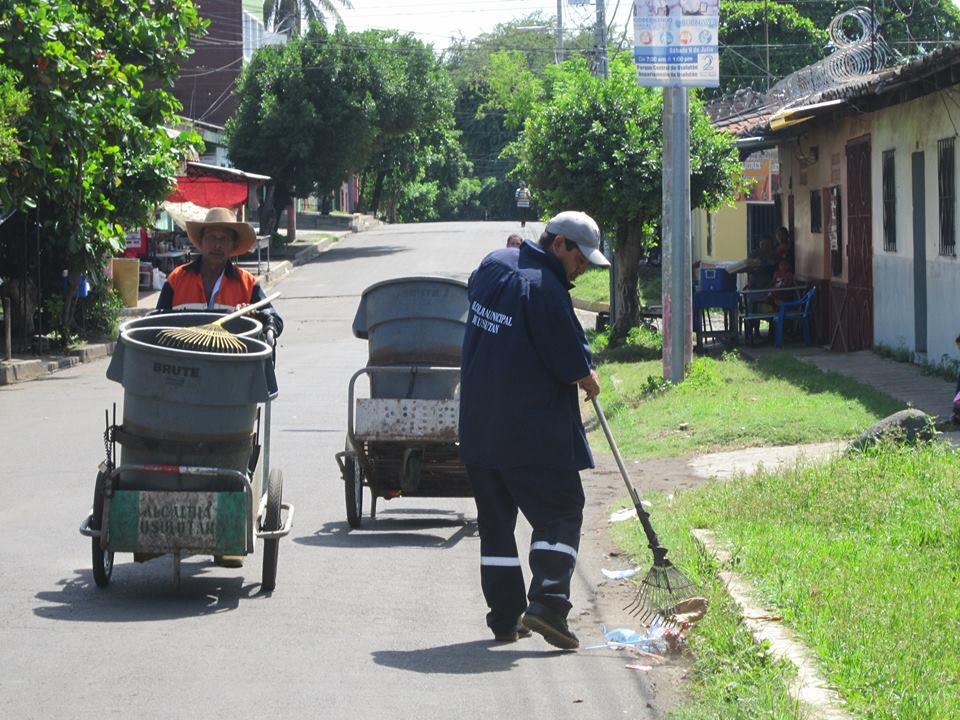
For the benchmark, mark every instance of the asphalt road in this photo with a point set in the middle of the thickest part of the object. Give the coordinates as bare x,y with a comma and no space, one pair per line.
387,621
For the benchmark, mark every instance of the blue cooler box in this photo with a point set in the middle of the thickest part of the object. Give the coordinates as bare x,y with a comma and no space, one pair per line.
717,279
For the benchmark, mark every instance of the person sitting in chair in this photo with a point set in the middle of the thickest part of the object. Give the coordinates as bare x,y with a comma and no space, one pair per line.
782,278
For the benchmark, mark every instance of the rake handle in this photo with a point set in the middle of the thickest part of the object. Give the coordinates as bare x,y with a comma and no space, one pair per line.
247,308
659,552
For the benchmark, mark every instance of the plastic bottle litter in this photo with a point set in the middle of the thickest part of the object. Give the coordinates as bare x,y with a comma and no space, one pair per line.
652,641
619,574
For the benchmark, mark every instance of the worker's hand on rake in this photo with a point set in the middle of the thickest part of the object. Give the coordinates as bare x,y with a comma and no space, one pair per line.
590,385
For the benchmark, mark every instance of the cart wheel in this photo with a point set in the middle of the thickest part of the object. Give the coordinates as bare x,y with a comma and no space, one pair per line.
353,491
271,521
102,559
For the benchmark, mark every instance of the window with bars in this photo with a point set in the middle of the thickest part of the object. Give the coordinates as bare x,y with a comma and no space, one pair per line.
946,182
816,211
889,203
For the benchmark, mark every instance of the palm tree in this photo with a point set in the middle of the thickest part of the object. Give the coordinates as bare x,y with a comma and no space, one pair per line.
287,16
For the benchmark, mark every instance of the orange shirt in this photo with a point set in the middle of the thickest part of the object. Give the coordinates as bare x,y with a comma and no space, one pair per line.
186,281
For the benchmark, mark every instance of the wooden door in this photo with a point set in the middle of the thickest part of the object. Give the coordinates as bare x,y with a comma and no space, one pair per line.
853,304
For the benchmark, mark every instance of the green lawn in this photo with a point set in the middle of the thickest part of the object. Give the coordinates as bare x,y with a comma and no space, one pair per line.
727,403
594,286
861,556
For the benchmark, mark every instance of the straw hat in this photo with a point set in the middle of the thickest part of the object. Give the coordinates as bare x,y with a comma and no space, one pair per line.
223,217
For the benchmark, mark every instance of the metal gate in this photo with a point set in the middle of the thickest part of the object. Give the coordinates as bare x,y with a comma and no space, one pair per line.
852,303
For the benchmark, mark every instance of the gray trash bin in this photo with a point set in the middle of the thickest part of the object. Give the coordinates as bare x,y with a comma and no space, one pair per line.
416,321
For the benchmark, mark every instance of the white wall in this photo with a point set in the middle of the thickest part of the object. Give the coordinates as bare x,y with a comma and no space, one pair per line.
908,128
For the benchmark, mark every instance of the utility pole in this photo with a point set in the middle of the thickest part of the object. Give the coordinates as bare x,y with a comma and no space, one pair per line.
558,53
676,270
600,35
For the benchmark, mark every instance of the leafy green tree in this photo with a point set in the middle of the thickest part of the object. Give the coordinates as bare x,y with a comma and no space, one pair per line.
92,152
13,106
334,103
486,130
595,145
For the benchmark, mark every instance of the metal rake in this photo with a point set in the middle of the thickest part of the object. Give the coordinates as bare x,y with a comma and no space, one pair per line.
665,593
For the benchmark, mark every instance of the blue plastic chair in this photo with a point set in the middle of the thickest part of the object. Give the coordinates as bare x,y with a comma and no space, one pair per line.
794,310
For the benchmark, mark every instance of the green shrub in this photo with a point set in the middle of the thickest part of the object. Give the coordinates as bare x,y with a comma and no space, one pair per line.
103,306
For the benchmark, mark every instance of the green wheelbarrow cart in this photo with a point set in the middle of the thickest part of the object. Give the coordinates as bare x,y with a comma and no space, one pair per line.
193,475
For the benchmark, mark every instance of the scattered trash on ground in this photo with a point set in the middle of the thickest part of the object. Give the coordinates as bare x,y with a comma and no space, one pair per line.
623,514
642,668
619,574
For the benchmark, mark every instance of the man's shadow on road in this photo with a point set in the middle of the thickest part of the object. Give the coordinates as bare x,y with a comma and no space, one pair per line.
468,658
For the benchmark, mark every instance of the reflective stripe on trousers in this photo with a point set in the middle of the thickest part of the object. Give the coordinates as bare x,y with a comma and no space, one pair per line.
551,499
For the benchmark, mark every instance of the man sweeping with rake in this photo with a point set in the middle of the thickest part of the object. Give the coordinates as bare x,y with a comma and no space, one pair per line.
521,436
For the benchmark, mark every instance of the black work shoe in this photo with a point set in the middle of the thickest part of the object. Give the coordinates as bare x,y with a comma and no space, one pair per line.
552,626
513,634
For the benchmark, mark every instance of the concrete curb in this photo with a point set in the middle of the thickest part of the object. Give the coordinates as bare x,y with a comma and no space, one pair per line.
809,689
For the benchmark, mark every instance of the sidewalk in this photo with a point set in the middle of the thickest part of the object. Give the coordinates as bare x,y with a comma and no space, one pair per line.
30,367
902,381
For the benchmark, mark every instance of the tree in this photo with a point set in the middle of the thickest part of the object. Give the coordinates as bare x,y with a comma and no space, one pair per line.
92,152
287,16
595,145
485,128
330,104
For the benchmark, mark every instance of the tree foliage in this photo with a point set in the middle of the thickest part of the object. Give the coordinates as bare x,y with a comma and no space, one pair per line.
745,29
92,154
334,103
595,145
481,71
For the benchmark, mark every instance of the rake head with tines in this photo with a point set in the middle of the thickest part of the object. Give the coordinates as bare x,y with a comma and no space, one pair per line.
212,337
664,593
204,338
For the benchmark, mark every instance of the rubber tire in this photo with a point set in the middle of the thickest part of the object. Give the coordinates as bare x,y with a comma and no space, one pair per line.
353,492
102,560
271,521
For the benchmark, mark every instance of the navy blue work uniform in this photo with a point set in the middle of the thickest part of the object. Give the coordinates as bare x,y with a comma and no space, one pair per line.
521,436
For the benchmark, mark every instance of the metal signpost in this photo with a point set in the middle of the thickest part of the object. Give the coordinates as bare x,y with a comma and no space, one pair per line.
675,47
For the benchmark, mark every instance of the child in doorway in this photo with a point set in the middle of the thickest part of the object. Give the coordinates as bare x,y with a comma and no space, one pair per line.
782,278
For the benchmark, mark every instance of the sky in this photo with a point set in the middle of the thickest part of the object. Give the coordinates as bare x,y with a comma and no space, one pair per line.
437,21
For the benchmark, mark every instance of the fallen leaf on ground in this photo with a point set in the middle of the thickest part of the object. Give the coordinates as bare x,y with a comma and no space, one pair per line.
687,612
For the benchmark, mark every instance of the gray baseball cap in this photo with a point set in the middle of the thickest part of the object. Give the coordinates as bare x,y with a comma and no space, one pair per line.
580,228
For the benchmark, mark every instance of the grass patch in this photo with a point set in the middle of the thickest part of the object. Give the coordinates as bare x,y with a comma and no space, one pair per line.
861,556
594,286
727,403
